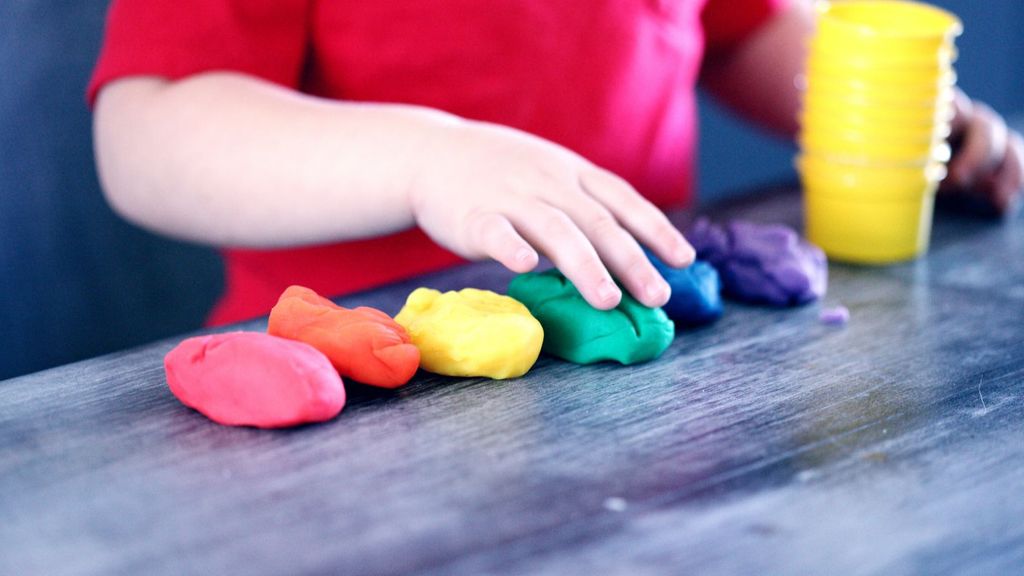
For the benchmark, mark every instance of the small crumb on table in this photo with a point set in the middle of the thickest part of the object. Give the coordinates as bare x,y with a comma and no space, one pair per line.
834,316
615,504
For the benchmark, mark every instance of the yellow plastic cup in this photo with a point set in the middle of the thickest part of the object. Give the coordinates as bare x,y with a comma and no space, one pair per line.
847,124
868,232
867,213
878,95
851,82
909,25
881,50
867,180
858,134
823,109
925,74
883,41
827,54
843,147
884,97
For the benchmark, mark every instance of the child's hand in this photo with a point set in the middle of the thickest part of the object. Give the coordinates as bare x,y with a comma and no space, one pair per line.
488,191
990,157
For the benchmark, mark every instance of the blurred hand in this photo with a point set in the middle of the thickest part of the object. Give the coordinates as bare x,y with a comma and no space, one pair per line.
490,191
988,159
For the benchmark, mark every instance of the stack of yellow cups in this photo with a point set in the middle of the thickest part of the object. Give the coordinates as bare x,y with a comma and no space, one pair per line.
875,119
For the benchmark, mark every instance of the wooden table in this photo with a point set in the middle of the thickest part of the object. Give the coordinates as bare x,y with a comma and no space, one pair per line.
767,443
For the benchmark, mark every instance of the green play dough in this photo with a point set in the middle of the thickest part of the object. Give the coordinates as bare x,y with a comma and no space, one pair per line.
577,332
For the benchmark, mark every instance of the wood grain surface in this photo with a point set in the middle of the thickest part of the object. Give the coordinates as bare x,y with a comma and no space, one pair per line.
767,443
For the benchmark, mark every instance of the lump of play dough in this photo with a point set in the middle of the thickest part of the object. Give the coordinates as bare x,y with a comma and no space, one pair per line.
471,333
577,332
254,379
762,264
364,344
696,292
835,316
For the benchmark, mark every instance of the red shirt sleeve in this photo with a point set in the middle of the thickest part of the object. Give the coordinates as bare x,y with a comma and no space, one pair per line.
178,38
728,22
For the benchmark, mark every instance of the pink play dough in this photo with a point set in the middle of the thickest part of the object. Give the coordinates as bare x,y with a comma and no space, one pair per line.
254,379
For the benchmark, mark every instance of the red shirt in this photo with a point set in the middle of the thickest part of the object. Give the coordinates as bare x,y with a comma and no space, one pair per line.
611,79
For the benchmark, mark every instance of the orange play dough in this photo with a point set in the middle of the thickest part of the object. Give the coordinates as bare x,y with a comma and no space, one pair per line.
364,344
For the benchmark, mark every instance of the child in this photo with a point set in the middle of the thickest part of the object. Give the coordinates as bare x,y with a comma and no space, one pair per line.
343,145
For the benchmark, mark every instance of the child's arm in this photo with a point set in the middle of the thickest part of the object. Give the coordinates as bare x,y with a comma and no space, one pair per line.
758,79
228,159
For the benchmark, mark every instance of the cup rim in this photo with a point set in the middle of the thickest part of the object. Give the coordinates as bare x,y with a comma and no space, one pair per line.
838,135
945,56
825,65
936,82
941,154
888,102
842,16
874,131
944,112
933,169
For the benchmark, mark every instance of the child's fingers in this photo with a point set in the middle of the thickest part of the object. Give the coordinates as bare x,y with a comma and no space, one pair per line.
1009,179
962,106
496,237
641,218
620,252
557,236
984,144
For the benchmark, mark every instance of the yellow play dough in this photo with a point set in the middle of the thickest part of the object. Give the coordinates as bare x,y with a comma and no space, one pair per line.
471,333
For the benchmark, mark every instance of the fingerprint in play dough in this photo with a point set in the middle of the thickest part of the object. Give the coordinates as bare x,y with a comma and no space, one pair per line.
577,332
471,333
696,292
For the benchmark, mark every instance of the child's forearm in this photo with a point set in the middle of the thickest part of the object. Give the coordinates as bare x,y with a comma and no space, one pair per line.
231,160
227,159
758,78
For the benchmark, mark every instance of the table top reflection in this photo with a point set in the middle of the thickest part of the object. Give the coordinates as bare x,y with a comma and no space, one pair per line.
766,443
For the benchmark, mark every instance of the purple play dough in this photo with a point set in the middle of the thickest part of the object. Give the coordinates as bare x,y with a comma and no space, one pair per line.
762,263
837,316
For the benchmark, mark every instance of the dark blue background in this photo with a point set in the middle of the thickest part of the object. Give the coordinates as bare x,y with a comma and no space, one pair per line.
77,282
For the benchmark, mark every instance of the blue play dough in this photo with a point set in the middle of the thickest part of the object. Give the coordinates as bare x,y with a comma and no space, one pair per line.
696,292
